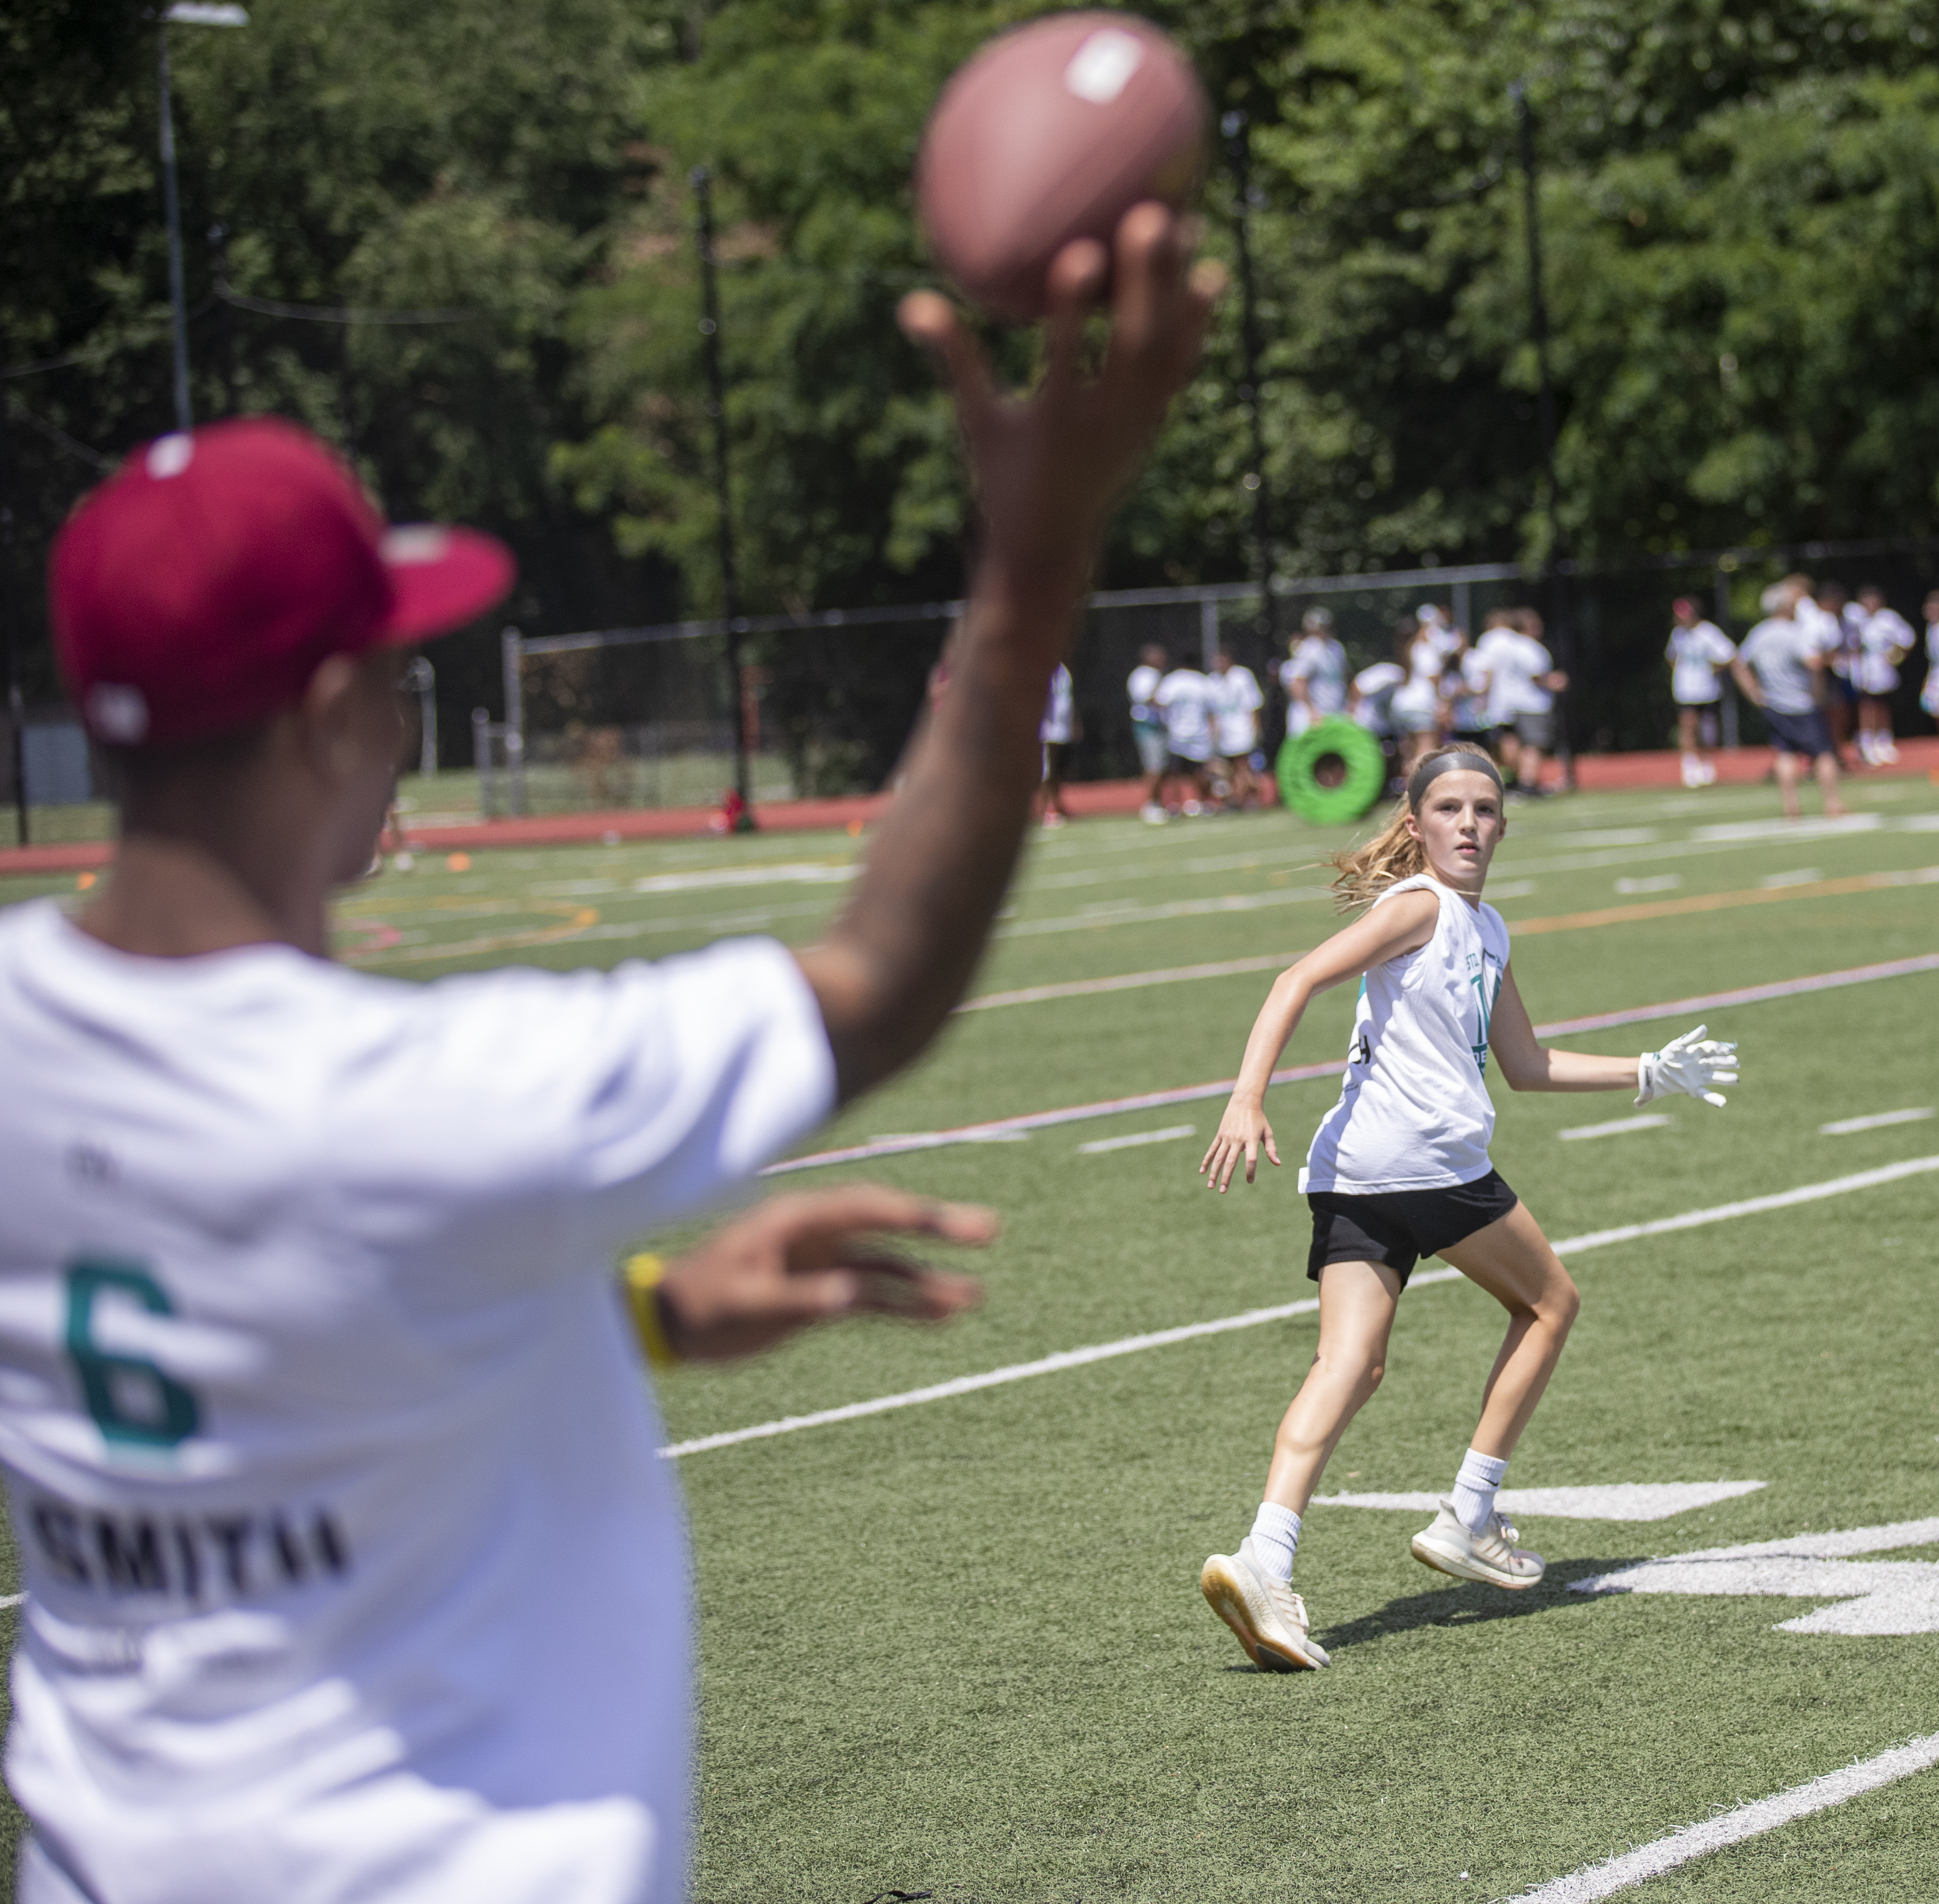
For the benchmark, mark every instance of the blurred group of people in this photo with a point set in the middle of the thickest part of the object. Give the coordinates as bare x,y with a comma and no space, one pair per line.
1822,666
1498,690
1198,735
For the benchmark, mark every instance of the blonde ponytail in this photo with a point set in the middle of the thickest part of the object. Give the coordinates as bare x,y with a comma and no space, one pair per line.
1362,874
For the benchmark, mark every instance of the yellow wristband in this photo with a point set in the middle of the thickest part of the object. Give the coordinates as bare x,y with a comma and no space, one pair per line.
642,1275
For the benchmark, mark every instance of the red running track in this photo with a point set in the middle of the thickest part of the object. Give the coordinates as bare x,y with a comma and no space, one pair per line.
1594,774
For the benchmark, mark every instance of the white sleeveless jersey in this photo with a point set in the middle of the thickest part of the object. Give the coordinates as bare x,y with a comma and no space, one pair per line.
1414,1112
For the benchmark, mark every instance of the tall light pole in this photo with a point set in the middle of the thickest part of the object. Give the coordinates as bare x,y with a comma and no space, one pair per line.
702,181
183,13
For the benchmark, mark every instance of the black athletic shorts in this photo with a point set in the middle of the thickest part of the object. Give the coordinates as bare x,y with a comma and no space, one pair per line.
1401,1226
1808,735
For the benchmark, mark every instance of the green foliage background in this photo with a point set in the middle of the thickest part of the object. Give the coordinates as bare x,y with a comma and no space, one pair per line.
1738,206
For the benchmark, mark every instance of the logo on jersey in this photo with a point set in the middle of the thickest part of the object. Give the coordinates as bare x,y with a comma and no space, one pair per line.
1485,995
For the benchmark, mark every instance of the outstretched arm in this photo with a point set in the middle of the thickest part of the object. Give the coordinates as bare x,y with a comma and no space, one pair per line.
1403,925
1047,469
796,1260
1690,1065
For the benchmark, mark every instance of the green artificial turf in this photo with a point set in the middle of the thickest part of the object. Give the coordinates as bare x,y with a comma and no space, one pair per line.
959,1647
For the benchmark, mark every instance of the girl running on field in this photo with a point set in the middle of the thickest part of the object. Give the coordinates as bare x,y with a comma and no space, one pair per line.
1399,1170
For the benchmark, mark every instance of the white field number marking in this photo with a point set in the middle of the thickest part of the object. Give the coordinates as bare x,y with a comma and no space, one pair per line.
1801,876
1598,1881
1169,1134
1867,1597
1070,1359
1657,882
1879,1121
1653,1120
1624,1501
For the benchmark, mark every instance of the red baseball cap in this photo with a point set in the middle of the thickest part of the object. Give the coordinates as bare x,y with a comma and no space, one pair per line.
198,589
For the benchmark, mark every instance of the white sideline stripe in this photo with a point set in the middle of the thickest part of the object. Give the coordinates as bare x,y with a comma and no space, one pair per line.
966,1385
1784,1199
1066,1358
1164,1137
972,1133
1652,1861
1613,1128
1622,1500
1846,1126
1129,981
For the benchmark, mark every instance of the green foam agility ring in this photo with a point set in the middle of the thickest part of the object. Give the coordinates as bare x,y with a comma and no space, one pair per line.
1356,751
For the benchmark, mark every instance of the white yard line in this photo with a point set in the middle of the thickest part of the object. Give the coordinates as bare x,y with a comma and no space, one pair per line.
1109,1107
1848,1127
1652,1861
1070,1358
1613,1128
1169,1134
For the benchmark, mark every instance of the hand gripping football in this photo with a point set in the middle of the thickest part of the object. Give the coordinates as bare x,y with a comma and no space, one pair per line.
1052,133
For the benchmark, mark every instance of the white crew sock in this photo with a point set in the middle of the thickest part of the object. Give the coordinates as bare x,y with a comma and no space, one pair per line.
1474,1487
1276,1539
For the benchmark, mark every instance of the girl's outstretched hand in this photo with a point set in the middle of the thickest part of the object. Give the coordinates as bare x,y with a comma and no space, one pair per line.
1242,1132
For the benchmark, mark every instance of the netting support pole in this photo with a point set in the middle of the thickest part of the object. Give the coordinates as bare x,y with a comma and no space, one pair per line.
1563,632
511,653
1721,593
1236,128
172,214
1208,632
702,181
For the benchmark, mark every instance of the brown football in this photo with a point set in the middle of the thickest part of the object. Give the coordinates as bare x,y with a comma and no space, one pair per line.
1054,131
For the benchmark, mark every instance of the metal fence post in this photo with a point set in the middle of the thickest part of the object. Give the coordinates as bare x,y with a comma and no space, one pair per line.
511,655
1721,589
481,758
1208,631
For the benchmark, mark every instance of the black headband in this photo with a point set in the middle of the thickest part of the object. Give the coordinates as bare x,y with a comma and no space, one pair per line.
1448,761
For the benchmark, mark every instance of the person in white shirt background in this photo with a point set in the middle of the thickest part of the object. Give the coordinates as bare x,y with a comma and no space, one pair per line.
1236,701
1696,649
1782,667
1522,683
1928,694
1371,706
1314,673
353,1569
1419,705
1468,708
1885,639
1824,627
1184,698
1056,730
1147,728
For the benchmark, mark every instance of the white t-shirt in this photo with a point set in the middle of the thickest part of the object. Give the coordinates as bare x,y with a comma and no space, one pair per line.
1373,696
1236,701
1469,677
1513,661
1827,629
354,1572
1928,694
1694,655
1320,661
1414,1112
1142,685
1183,701
1059,709
1416,702
1884,641
1779,652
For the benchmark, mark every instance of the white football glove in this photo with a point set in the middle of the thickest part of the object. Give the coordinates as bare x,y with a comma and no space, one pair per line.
1692,1064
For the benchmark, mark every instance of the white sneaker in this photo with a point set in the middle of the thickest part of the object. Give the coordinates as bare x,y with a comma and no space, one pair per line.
1490,1556
1693,770
1152,814
1268,1617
